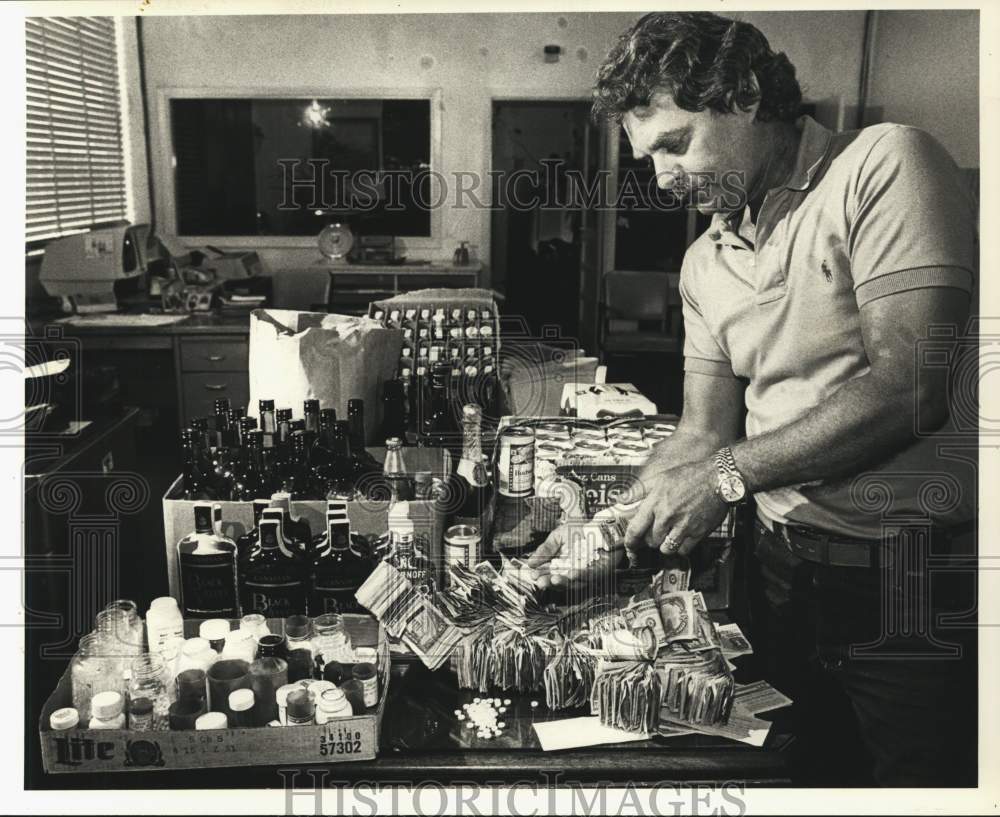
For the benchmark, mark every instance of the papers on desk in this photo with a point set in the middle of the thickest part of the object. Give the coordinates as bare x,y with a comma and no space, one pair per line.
114,319
574,733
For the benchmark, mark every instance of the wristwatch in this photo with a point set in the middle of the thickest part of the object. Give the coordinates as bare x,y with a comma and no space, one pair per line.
732,488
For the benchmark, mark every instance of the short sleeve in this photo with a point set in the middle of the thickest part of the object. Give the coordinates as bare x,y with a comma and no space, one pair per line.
912,219
702,354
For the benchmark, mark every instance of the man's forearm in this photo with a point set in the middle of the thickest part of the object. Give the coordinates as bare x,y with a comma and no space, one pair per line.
684,446
859,426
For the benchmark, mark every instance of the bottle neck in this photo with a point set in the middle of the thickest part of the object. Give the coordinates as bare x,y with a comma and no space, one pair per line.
472,444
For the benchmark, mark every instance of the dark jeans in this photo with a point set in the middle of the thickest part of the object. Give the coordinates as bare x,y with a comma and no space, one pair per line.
884,686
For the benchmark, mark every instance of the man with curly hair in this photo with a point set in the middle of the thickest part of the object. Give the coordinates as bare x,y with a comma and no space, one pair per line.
829,256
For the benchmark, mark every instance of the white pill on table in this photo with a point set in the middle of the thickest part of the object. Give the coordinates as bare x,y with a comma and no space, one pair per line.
506,701
501,725
534,704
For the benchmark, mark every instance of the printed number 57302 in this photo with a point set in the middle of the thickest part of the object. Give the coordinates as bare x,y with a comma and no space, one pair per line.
346,747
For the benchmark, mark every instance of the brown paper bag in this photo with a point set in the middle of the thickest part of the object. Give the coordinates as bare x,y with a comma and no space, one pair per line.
297,356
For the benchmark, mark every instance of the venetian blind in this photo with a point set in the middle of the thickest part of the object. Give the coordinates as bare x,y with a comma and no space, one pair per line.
75,155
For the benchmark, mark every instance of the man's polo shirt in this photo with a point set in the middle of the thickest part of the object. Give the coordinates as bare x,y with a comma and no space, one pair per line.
865,214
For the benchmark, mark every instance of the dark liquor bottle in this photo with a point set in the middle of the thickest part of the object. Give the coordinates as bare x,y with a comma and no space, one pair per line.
394,471
275,577
297,479
196,484
311,415
222,410
296,528
393,410
207,564
437,419
356,426
471,476
247,483
268,422
343,467
340,565
247,541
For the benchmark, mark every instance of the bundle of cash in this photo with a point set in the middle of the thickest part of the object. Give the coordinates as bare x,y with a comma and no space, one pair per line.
569,676
502,659
698,687
409,615
626,695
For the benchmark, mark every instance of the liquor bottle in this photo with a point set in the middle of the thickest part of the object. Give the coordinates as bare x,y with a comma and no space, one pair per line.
393,410
438,420
247,483
340,565
311,415
207,564
356,426
195,482
394,471
246,542
268,422
471,476
399,548
296,528
222,409
297,478
275,576
345,471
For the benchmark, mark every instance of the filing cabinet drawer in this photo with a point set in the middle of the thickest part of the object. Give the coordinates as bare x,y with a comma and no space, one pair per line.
202,389
214,355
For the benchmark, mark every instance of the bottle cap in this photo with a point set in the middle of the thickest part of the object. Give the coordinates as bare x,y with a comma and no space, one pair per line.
333,671
297,626
240,700
215,629
363,672
333,699
299,704
471,411
282,693
163,603
66,718
212,720
195,646
106,705
317,687
140,707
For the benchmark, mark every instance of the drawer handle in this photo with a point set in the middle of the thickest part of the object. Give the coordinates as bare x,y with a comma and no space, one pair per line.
215,358
215,386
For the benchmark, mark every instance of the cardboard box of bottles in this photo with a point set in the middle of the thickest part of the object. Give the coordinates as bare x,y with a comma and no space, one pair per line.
367,517
120,750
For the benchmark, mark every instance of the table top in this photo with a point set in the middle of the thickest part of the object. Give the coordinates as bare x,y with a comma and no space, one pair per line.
208,323
422,740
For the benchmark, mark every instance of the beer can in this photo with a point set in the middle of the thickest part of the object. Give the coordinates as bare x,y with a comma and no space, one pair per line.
547,456
592,434
670,428
516,463
556,431
463,543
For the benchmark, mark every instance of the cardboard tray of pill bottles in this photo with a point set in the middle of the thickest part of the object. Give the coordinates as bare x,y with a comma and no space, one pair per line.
119,750
368,518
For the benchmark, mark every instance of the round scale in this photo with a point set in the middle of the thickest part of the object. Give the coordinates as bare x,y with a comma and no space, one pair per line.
335,241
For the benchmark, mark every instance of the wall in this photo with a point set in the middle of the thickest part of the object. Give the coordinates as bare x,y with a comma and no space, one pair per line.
470,57
909,86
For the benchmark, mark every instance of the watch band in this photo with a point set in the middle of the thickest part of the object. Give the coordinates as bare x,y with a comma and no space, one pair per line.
725,464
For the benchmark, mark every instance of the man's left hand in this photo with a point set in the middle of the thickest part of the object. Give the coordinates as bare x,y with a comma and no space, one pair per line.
680,509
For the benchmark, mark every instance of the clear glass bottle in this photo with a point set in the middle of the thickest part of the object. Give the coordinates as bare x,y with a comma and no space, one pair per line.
113,627
135,642
394,470
95,668
147,681
472,478
207,564
400,548
331,642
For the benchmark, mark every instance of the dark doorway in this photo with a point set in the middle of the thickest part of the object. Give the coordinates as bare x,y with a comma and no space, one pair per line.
543,248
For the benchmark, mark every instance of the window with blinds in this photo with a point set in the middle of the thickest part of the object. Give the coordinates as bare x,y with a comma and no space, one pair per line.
75,155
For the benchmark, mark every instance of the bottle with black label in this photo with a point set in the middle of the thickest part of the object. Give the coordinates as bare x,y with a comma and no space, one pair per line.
340,565
245,544
207,564
275,575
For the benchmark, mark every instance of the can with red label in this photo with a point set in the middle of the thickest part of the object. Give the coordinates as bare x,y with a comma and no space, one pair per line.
516,463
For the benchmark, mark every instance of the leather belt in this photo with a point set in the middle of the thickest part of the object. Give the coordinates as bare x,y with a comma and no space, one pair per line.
829,549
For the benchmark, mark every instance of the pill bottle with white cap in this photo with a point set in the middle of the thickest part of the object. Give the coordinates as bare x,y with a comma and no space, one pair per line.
107,711
212,720
65,718
241,703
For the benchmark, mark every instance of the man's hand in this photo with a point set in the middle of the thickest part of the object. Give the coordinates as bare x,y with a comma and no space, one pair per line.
597,577
680,509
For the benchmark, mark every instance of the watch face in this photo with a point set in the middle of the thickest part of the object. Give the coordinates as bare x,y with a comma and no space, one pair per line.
732,489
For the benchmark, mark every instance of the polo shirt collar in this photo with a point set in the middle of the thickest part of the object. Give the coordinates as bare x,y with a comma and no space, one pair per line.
813,147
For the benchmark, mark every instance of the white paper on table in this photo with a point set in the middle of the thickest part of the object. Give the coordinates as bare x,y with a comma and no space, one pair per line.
742,726
574,733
